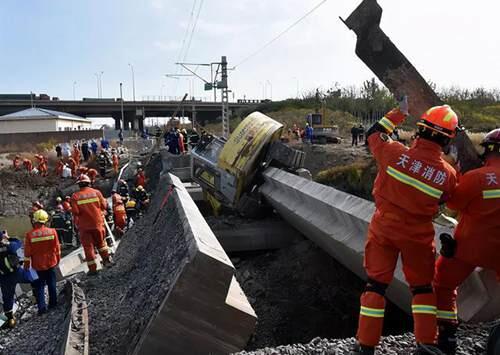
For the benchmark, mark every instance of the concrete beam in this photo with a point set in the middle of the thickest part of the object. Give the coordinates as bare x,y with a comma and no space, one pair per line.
338,223
205,311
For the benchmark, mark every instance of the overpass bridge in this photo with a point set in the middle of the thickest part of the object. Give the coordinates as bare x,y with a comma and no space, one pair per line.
134,112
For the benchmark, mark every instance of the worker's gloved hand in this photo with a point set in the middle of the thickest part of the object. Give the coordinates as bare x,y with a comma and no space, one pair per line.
396,117
448,245
403,105
27,264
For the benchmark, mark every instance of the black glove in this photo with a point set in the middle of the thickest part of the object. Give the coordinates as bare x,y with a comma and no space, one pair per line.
448,245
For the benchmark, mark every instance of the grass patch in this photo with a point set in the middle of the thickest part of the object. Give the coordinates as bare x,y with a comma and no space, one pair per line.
356,178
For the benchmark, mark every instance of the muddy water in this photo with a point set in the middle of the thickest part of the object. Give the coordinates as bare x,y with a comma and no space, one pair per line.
16,226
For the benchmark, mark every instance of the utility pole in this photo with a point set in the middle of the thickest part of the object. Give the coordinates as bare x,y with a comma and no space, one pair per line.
133,80
74,85
224,97
121,104
98,87
215,84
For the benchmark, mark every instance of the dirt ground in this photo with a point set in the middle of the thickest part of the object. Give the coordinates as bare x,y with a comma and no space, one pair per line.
300,293
323,156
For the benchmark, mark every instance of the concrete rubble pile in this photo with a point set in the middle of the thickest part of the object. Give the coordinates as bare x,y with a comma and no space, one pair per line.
471,340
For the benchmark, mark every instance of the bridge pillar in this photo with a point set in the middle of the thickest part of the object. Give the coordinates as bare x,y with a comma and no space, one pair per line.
118,122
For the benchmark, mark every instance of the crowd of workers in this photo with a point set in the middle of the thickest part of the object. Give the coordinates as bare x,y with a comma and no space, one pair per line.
70,160
411,184
80,218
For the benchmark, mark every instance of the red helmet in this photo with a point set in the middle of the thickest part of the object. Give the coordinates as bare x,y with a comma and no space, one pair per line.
441,119
491,141
83,179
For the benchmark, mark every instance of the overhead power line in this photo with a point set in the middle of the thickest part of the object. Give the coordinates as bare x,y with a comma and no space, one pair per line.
186,33
281,34
193,30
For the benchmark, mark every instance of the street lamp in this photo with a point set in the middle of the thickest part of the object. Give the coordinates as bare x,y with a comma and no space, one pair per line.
133,80
98,87
121,106
271,89
100,81
74,95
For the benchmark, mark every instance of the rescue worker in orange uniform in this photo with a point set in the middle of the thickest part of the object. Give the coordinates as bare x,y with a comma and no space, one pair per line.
28,165
43,165
88,206
75,154
67,204
16,163
92,174
119,214
476,241
73,166
59,168
42,251
410,185
140,178
116,161
83,170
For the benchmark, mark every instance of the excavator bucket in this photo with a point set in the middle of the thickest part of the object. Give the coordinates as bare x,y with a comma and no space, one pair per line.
393,69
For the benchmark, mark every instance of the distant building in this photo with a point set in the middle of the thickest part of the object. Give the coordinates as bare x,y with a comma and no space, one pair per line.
34,120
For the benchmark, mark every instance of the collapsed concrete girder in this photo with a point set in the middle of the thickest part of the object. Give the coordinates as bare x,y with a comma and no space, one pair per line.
393,69
338,223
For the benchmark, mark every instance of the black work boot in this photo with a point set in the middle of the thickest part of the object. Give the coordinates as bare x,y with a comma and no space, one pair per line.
447,338
359,349
428,349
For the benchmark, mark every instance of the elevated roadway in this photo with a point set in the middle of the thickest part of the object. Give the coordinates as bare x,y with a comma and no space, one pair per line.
134,111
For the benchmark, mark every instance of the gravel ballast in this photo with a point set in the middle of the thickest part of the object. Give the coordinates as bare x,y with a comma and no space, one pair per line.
472,339
34,334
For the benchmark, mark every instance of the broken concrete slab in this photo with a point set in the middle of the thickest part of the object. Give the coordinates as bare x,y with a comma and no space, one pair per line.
338,223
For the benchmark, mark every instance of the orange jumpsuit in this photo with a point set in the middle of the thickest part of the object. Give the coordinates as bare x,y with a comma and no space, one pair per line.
410,185
16,163
88,205
181,143
92,174
43,166
60,168
41,245
28,165
477,198
116,161
76,154
120,215
73,166
140,179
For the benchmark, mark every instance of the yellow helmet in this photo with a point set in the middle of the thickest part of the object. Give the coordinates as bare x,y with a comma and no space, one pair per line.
130,204
40,216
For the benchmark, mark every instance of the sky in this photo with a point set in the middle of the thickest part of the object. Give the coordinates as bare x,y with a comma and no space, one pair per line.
58,46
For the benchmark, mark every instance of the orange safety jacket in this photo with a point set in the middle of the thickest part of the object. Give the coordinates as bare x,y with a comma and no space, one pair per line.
87,205
477,198
411,182
140,179
41,245
120,215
